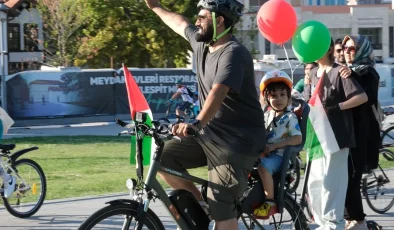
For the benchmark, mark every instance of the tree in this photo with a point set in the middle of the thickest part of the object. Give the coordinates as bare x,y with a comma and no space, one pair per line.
246,35
62,20
130,33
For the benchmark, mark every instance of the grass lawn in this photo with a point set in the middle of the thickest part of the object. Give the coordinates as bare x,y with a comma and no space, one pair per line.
83,165
90,165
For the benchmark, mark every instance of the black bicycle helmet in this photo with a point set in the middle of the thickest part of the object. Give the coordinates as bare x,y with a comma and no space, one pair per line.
231,9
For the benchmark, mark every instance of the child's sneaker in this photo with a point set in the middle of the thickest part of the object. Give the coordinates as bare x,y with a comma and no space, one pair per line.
265,210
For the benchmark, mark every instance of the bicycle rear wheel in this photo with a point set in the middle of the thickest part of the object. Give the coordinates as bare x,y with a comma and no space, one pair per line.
120,216
292,218
377,187
30,189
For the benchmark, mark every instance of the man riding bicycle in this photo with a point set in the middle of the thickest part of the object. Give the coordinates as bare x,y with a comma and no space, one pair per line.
231,121
187,100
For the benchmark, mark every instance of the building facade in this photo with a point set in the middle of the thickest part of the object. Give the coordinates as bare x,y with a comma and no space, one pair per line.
25,37
372,18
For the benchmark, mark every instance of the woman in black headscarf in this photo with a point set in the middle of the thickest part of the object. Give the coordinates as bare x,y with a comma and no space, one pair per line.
359,58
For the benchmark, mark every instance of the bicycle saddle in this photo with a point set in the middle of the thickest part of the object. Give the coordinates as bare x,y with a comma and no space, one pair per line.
7,147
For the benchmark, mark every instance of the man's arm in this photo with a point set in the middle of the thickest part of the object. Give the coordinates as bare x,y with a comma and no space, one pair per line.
213,102
175,21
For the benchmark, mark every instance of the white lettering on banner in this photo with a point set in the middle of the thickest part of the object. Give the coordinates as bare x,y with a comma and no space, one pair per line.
106,80
156,79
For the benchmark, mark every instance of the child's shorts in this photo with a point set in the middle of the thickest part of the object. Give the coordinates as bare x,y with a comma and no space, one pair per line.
272,163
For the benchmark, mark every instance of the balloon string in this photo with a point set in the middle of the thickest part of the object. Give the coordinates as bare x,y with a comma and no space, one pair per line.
288,60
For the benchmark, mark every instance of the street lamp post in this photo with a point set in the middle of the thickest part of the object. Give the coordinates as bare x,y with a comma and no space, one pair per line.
4,53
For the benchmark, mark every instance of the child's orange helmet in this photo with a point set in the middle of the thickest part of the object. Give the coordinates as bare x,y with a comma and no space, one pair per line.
275,76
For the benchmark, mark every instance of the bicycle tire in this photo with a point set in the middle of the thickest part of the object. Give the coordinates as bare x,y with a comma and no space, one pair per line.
31,212
295,211
387,154
384,134
293,185
366,184
151,220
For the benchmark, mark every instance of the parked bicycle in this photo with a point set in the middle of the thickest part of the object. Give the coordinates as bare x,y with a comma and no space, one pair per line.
180,204
30,189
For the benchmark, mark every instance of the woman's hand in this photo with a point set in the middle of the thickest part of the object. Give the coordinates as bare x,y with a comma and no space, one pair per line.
345,72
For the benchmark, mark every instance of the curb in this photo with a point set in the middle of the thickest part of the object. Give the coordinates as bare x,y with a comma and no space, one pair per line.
67,126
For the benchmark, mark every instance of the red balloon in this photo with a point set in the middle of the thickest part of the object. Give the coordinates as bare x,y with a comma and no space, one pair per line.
277,21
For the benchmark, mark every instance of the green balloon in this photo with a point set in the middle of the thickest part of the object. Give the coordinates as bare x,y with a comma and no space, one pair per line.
311,41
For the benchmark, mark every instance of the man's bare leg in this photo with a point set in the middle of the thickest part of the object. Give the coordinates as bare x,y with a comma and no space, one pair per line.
179,183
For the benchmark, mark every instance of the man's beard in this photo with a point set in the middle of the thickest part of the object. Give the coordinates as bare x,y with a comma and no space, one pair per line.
205,36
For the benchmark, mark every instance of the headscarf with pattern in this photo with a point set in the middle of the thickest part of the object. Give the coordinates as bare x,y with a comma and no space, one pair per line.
364,51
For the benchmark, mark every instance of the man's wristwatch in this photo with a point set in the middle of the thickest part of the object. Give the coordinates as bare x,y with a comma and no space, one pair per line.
197,124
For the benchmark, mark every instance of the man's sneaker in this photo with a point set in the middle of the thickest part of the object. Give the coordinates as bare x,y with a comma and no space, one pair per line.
354,225
9,187
265,210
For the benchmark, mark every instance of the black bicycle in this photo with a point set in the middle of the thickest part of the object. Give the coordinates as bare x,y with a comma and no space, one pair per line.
181,204
30,189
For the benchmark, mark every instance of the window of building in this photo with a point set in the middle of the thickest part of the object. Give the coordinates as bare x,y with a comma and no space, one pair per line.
367,2
339,32
391,41
374,35
14,43
267,47
31,37
254,5
329,2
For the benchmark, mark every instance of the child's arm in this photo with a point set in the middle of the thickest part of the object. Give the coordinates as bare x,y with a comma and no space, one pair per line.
354,101
294,140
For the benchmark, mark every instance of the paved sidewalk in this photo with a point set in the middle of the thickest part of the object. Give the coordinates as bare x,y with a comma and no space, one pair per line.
70,213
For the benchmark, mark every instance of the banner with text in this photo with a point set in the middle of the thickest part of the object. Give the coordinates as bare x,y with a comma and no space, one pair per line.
39,94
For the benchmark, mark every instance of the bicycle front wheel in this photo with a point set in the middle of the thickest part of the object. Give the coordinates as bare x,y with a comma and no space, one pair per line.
30,189
377,187
120,216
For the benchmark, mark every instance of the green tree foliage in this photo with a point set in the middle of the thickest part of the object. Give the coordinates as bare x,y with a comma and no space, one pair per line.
62,21
130,33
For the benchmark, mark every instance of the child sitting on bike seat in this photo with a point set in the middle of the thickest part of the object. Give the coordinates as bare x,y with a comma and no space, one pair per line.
282,130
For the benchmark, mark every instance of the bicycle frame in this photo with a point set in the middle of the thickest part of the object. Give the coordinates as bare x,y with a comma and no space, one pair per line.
151,183
304,192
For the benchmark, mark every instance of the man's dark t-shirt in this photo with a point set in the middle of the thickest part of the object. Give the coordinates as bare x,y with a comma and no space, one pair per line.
238,126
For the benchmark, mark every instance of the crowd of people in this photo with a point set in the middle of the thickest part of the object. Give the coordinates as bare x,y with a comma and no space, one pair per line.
234,131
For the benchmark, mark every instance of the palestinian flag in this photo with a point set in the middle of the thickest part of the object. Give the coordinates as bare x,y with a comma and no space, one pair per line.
138,103
320,138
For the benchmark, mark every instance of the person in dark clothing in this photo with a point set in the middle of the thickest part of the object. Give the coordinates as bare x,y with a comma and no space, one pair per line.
358,54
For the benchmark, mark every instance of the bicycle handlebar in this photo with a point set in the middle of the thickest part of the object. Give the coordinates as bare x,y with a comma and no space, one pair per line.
157,131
